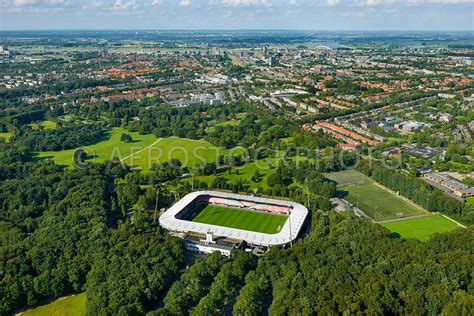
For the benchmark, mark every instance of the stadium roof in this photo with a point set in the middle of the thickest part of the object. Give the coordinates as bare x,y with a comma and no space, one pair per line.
297,216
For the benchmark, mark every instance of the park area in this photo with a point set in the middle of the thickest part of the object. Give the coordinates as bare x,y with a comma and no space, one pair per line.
375,201
241,219
141,152
421,228
74,305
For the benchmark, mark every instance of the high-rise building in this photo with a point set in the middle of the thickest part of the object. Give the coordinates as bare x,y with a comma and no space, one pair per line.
265,52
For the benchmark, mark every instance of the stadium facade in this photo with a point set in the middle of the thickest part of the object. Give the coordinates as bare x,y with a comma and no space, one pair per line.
174,218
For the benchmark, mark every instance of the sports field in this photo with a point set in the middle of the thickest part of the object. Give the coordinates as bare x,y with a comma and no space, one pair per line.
376,202
240,219
68,306
348,177
421,228
379,204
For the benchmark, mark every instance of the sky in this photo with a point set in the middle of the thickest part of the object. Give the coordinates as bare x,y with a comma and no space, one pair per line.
238,14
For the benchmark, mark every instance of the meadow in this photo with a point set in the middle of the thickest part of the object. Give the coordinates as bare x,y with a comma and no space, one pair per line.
421,228
44,124
6,136
265,167
141,153
188,151
67,306
240,219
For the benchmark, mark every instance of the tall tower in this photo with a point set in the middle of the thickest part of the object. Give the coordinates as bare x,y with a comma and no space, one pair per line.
265,52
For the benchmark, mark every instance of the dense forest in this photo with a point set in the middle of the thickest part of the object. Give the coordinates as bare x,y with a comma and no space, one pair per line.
71,231
95,230
61,138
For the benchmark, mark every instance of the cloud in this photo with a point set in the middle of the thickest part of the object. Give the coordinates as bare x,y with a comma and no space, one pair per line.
332,2
292,2
22,3
121,5
242,3
371,3
185,3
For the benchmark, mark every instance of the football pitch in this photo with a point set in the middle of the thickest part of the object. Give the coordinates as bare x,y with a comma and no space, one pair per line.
348,177
421,228
241,219
379,204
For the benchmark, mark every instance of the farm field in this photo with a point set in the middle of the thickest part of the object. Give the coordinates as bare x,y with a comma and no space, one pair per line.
68,306
421,228
240,219
142,152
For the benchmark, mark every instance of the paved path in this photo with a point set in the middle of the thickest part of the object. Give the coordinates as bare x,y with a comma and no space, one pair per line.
123,159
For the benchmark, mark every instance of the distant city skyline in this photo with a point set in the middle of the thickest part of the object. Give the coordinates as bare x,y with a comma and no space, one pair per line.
448,15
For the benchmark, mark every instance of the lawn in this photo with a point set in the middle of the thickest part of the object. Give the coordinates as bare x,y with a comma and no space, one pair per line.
378,203
240,219
142,152
44,124
188,151
6,135
68,306
246,172
348,177
421,228
104,150
470,201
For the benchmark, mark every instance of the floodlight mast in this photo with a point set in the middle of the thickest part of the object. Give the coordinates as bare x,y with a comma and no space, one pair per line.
289,220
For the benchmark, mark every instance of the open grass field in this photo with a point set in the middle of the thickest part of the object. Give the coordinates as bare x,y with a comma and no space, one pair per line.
379,204
67,306
245,173
142,152
470,201
104,150
421,228
240,219
188,151
44,124
7,136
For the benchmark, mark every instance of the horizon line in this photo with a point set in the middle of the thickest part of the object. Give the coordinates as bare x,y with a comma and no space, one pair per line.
236,29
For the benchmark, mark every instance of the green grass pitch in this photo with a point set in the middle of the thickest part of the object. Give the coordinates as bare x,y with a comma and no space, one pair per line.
240,219
379,204
348,177
421,228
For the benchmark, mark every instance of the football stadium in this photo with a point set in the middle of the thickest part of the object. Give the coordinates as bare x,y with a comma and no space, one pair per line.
255,220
